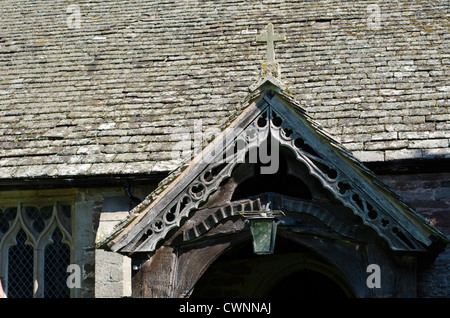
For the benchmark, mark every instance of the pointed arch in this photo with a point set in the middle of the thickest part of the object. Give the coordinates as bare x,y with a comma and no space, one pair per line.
37,223
20,277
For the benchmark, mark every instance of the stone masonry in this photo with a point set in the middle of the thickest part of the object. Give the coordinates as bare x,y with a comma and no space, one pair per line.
429,194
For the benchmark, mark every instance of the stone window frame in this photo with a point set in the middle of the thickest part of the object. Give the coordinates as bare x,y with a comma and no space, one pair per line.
39,240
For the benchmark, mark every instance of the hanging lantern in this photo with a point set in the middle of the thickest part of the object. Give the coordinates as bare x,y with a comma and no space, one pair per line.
263,227
264,231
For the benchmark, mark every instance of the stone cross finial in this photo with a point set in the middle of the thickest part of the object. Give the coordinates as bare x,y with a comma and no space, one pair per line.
270,38
271,66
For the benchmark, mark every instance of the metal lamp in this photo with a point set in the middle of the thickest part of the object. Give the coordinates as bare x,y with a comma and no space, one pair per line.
263,227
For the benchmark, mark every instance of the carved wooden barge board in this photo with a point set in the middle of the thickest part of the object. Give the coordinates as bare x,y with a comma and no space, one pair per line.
323,212
273,113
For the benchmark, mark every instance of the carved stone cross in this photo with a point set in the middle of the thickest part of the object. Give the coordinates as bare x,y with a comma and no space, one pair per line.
270,38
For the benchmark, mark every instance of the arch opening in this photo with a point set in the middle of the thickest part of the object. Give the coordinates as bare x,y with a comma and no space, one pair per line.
283,181
306,283
293,271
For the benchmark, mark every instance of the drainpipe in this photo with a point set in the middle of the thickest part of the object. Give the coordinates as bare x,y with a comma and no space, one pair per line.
130,196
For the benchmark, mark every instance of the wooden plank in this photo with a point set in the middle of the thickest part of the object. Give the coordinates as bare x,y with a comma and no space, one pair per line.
134,230
358,178
156,277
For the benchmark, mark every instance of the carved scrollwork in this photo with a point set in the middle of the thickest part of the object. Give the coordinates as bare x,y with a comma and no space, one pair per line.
197,191
344,190
225,211
205,183
158,225
270,123
318,210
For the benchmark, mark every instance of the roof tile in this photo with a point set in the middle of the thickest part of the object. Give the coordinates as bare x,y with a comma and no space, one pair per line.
125,86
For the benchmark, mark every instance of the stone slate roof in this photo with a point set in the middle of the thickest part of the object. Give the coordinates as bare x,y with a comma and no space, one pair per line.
116,94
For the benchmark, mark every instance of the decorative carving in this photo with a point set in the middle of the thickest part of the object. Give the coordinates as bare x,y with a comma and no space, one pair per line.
277,202
289,133
38,222
222,212
344,190
206,182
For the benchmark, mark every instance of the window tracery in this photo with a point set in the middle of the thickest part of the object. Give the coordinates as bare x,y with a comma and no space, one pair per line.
35,242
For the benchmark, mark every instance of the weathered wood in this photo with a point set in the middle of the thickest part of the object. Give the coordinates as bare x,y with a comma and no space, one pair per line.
333,167
156,277
357,176
127,239
348,222
397,272
193,263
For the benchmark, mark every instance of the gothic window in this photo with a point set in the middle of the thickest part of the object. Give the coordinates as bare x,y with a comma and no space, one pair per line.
57,258
35,242
20,268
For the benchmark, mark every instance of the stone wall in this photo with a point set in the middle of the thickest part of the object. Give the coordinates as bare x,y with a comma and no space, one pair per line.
113,270
112,275
429,194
